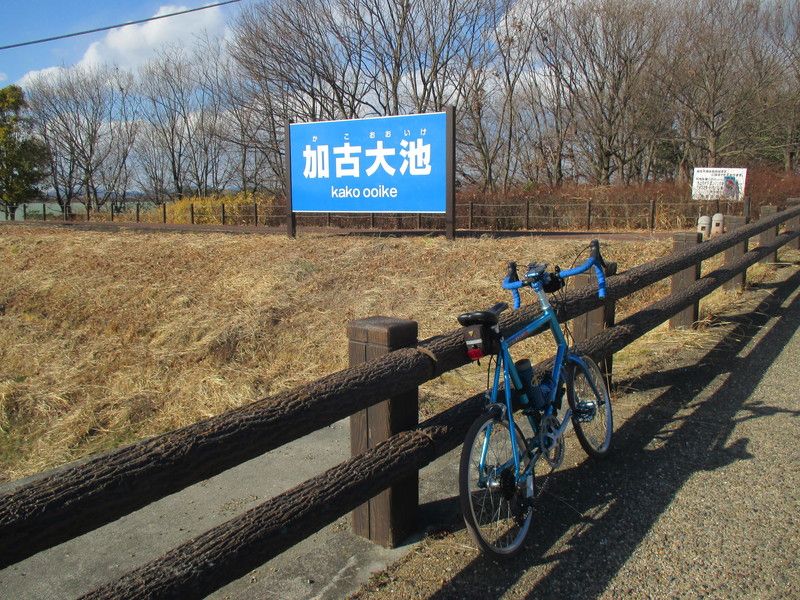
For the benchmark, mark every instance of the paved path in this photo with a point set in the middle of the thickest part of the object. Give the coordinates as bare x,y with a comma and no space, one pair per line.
700,498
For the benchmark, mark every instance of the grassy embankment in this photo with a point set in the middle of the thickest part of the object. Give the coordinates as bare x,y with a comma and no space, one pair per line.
109,338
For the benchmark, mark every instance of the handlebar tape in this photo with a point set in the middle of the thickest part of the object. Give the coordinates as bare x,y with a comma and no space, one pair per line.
517,299
513,287
601,281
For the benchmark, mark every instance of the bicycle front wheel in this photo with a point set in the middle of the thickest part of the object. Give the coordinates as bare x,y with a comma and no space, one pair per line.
591,407
497,511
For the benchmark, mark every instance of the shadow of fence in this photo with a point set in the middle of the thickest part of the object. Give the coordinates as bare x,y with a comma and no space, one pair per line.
656,451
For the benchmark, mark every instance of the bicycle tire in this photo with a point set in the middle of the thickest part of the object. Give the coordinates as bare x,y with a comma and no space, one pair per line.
592,414
494,515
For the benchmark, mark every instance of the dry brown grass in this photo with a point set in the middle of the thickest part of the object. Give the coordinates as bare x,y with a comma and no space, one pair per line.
108,338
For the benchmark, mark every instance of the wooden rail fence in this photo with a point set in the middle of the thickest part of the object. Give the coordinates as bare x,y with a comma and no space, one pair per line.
81,498
523,214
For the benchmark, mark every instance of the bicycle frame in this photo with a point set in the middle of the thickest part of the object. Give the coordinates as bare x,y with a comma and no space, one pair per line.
511,377
499,486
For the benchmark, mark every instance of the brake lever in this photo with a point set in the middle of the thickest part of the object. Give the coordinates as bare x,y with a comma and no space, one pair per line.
511,273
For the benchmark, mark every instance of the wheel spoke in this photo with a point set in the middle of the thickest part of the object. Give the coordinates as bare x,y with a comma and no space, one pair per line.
489,511
592,415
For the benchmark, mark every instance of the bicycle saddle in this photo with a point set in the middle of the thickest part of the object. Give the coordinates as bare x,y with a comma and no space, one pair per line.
482,317
477,317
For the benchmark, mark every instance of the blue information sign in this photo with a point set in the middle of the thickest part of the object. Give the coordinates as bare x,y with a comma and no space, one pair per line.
385,164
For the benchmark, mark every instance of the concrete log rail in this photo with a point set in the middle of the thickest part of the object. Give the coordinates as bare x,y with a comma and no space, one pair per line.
84,497
232,549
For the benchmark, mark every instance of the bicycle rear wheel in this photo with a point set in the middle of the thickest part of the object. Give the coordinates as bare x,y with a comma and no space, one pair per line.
591,407
496,511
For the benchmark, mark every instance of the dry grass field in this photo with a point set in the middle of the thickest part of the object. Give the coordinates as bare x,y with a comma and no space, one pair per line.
106,338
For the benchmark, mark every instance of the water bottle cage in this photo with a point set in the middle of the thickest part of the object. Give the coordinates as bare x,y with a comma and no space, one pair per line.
542,392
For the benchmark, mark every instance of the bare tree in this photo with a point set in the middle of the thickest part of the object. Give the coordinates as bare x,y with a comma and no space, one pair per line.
165,85
716,72
601,49
244,127
88,117
493,118
784,29
63,155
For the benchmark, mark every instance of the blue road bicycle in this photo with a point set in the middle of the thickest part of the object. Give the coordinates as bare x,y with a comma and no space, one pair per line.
502,471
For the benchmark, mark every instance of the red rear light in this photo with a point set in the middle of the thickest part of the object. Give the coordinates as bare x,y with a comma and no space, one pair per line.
475,353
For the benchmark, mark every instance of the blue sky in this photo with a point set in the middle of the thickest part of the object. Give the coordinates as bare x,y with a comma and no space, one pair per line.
23,20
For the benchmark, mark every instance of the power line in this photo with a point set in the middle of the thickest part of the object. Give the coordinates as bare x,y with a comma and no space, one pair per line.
137,22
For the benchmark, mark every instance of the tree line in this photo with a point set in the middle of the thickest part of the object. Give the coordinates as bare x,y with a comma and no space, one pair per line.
546,93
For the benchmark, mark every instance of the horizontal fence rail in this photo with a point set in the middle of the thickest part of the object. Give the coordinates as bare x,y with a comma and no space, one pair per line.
232,549
83,497
237,546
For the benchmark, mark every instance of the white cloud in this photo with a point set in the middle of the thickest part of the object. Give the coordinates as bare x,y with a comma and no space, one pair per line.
131,46
3,76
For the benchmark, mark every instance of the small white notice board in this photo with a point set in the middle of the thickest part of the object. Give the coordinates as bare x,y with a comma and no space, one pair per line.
718,184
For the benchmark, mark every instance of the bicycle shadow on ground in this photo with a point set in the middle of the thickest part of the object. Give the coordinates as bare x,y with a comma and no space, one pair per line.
615,502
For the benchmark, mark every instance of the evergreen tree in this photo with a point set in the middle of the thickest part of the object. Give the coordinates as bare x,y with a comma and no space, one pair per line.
23,158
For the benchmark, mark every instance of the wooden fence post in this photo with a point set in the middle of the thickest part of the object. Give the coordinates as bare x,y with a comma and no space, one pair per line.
734,253
255,213
588,216
137,211
390,516
44,214
191,213
792,224
746,209
419,221
111,204
765,238
450,174
471,216
24,212
593,322
683,279
372,225
223,213
164,213
652,220
528,214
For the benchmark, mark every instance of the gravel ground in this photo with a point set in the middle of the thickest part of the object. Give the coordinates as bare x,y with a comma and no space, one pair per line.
698,499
